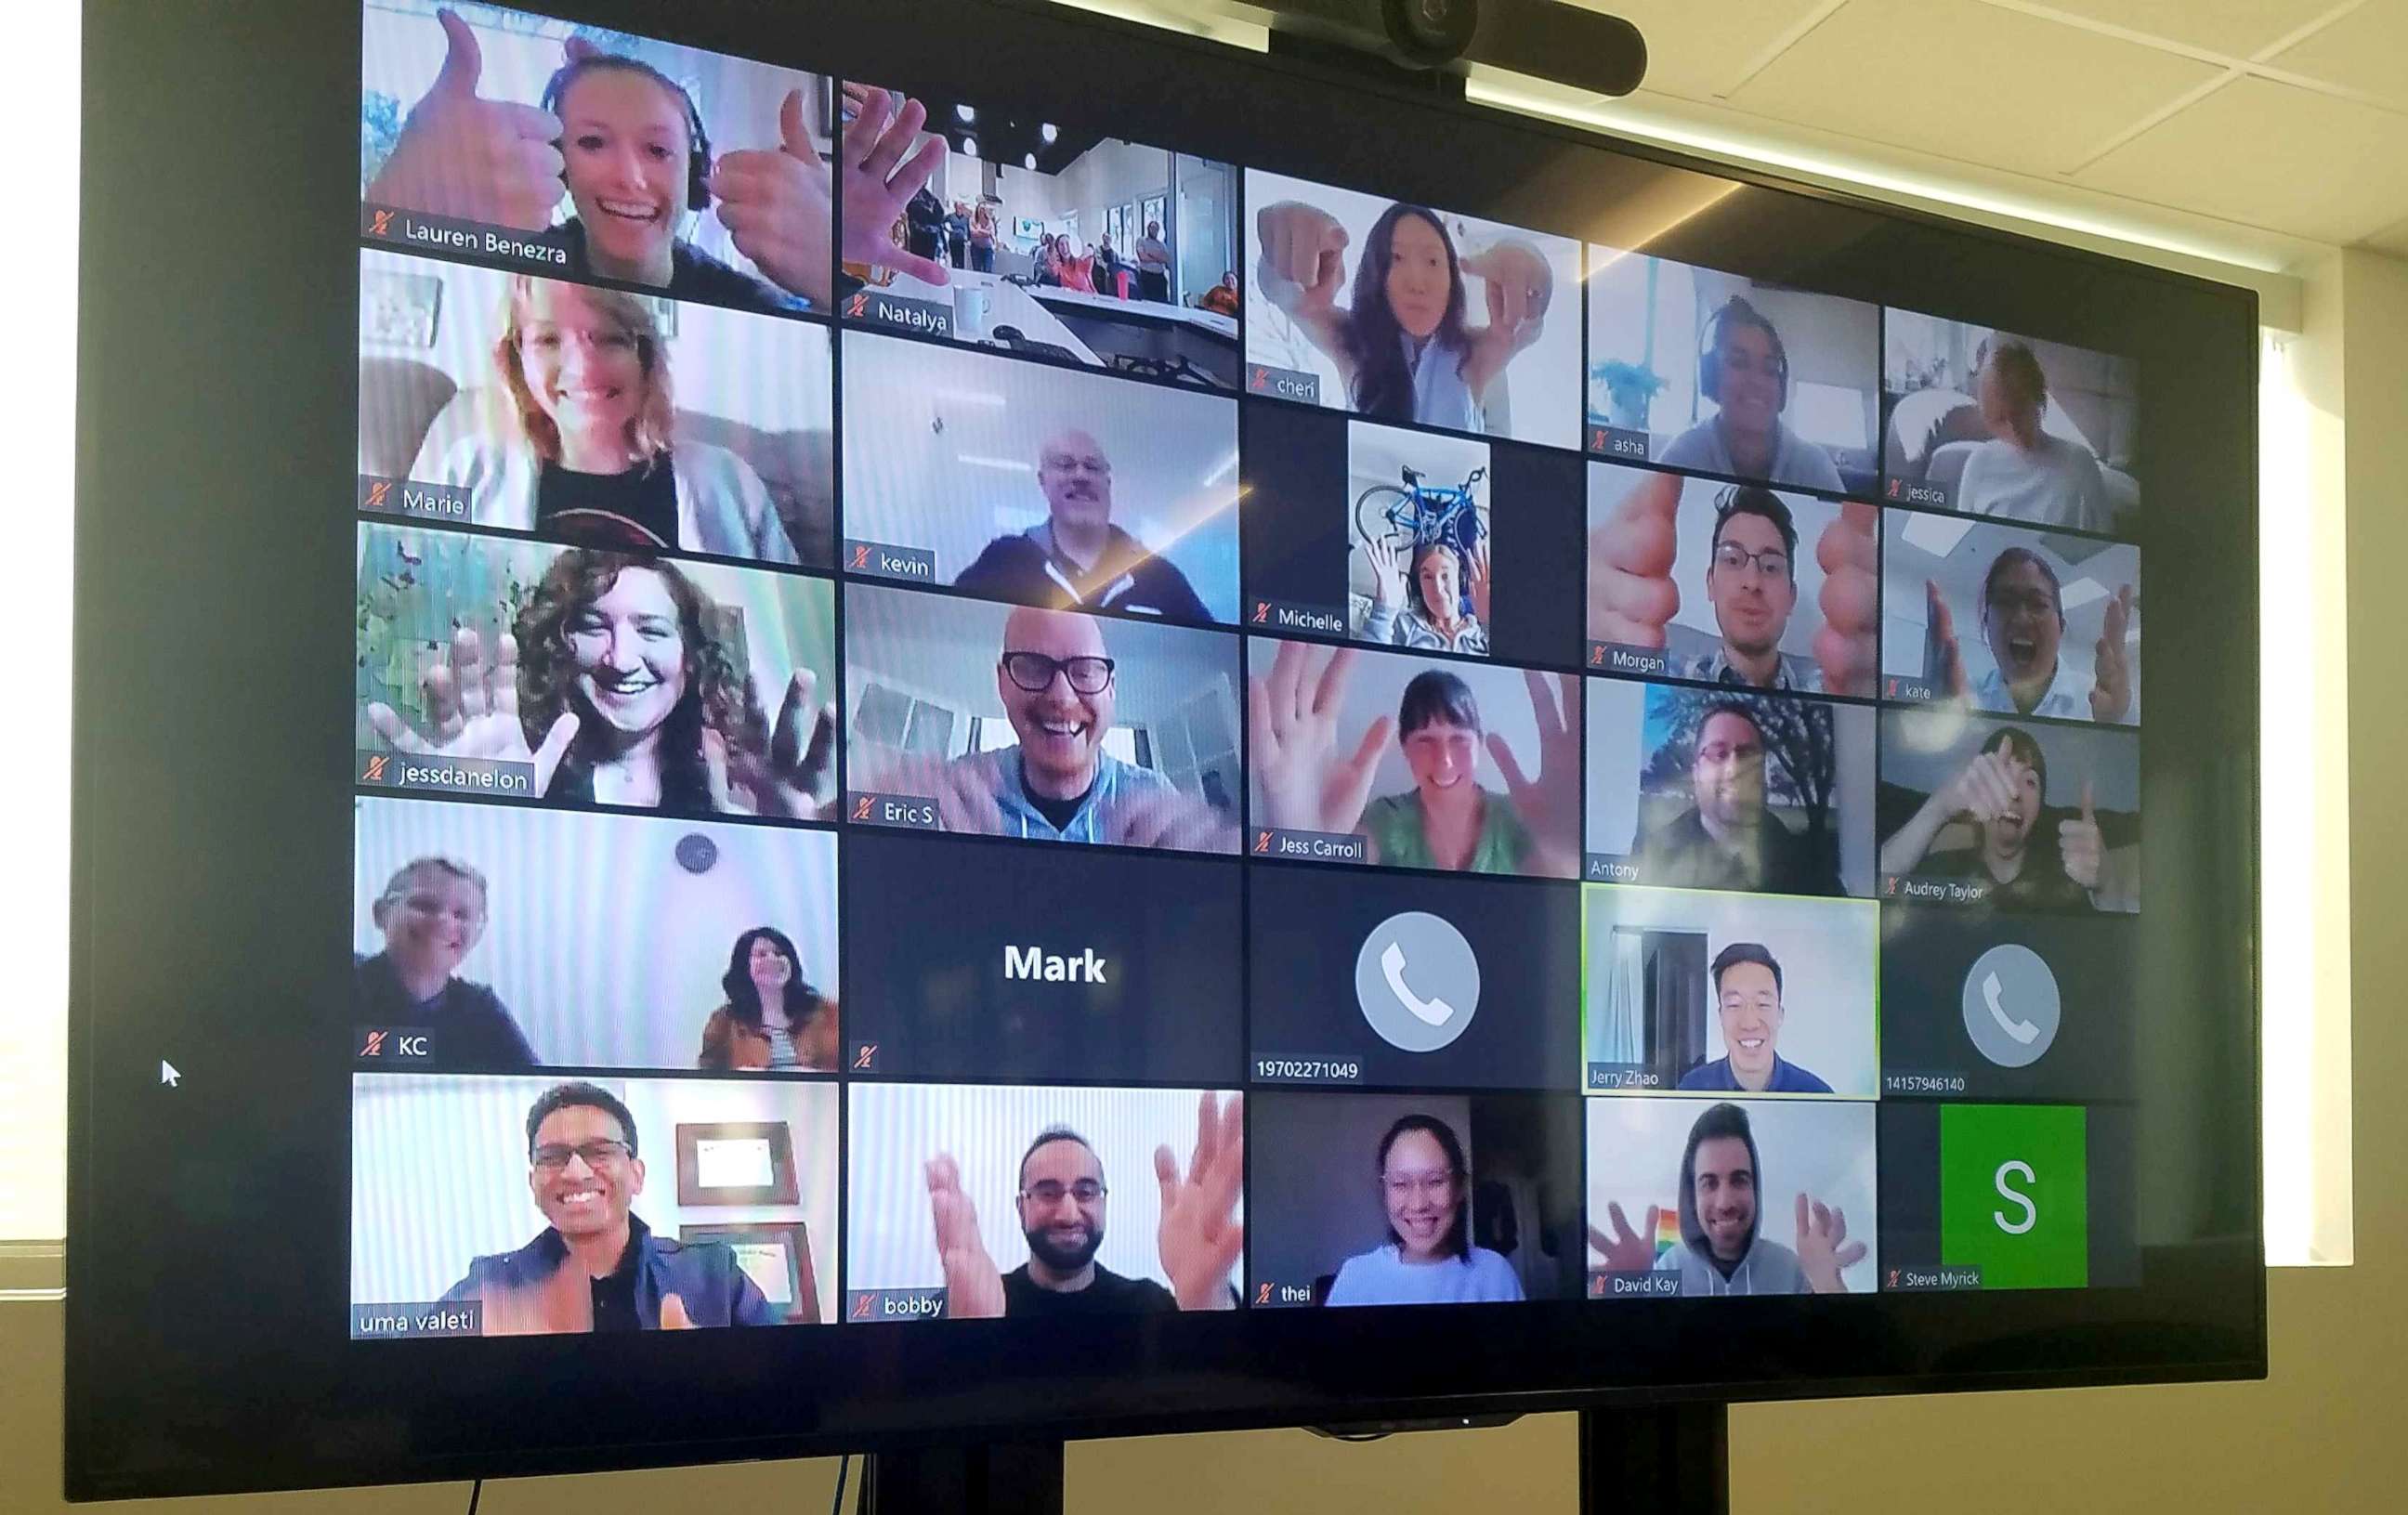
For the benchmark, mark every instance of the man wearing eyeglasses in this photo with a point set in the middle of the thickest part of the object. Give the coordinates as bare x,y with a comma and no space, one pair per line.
1751,583
1725,840
596,1266
1076,556
1062,1203
1058,686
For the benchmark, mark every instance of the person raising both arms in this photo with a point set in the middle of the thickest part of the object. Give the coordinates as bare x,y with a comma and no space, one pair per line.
627,145
1401,343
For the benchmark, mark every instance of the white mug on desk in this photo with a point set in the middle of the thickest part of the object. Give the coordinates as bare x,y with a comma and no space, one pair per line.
972,304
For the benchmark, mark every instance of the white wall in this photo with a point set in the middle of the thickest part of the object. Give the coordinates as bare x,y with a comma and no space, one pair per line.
439,1170
1828,949
941,447
605,949
1821,1149
896,1129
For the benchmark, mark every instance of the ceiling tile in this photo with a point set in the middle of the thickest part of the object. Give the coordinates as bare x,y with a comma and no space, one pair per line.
2235,27
1969,80
1695,47
2366,49
2270,155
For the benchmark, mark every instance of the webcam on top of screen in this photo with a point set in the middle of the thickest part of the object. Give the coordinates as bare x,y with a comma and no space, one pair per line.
1565,44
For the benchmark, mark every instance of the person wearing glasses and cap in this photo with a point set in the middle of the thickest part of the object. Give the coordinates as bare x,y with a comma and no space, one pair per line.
1058,685
596,1266
1076,556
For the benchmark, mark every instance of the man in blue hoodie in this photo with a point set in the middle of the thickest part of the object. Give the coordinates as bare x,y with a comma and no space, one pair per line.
1059,689
1722,1250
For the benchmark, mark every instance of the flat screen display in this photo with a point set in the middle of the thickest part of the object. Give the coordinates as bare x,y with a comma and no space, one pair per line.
1037,737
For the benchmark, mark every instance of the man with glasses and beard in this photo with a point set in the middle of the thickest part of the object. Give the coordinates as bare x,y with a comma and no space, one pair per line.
1057,685
596,1266
1061,1207
1076,556
1725,840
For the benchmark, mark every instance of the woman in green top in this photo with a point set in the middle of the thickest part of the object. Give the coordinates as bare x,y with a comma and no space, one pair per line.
1448,819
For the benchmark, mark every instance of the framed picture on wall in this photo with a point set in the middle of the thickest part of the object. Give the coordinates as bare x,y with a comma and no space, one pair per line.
776,1256
736,1162
1152,212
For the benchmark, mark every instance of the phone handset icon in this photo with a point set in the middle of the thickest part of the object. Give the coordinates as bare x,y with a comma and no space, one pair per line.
2024,1032
1433,1011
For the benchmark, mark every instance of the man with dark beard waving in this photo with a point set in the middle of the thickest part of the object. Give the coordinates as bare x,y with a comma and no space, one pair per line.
1062,1202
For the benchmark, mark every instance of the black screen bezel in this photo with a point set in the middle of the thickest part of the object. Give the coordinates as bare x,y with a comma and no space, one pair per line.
216,395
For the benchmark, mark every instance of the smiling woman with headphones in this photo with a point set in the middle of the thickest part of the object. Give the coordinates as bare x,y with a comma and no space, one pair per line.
628,144
1745,371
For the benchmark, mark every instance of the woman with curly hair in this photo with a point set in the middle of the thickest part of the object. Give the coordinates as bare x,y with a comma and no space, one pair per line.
613,691
772,1018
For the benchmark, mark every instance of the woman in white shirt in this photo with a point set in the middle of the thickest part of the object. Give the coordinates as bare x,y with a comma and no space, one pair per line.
1401,344
2023,473
1426,1187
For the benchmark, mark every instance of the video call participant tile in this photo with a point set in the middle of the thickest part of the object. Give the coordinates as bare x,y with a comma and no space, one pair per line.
1994,423
2006,1006
1412,980
467,175
592,416
500,939
2000,815
1710,788
1412,762
577,676
1413,1199
2011,621
1051,238
995,961
1696,1199
1401,313
2008,1196
997,1200
1731,584
1040,725
1708,992
1013,481
1409,538
1711,372
520,1206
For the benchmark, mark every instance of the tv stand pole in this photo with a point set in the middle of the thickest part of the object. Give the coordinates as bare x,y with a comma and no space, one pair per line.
1006,1477
1660,1459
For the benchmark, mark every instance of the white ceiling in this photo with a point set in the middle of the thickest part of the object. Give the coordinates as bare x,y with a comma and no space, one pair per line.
2287,116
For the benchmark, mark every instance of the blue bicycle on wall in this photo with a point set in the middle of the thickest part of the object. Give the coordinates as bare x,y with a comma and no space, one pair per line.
1415,514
